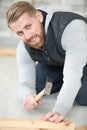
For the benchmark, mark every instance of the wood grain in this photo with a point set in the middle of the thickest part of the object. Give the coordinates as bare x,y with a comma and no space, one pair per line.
82,128
33,124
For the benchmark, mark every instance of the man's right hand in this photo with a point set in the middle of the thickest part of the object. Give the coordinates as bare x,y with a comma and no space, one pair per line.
29,102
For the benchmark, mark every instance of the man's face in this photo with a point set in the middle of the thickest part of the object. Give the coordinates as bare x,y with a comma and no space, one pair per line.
30,29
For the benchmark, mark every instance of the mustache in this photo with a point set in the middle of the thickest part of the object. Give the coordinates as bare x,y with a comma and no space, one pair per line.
32,37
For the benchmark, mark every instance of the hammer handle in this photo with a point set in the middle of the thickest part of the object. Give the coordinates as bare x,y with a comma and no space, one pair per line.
40,95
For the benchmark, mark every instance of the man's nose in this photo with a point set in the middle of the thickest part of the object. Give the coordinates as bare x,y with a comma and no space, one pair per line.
27,35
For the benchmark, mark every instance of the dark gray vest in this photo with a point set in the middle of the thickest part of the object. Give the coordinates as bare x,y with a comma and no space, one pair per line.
52,52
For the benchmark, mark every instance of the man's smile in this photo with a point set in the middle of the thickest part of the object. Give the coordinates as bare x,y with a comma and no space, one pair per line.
33,39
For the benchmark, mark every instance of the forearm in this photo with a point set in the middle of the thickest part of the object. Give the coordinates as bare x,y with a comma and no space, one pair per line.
67,94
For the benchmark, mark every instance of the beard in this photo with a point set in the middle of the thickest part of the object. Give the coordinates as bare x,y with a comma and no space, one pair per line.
36,40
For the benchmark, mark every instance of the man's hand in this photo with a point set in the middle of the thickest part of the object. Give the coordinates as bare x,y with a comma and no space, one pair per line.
29,102
54,117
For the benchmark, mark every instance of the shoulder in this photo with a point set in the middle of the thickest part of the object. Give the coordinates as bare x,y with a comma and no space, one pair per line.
74,28
75,31
20,46
77,24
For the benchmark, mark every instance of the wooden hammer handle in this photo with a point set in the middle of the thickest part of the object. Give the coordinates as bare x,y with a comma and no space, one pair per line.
40,95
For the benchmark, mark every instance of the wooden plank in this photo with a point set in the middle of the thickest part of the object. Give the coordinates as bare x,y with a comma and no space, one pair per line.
33,124
7,52
21,129
82,128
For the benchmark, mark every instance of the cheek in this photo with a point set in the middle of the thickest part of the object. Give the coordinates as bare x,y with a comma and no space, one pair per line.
22,38
37,28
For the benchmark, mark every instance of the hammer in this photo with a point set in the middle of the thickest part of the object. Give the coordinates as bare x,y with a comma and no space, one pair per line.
46,91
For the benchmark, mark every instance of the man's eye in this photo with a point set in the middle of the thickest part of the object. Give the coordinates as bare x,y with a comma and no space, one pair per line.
29,26
20,33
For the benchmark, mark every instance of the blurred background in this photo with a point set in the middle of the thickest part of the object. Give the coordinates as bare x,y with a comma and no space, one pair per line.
9,98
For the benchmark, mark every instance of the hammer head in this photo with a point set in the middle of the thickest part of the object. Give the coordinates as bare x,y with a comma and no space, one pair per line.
46,90
48,86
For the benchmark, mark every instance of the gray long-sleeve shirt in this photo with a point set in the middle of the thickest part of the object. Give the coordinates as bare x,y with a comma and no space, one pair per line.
74,42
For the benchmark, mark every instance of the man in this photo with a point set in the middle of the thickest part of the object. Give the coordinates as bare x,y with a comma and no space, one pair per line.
58,42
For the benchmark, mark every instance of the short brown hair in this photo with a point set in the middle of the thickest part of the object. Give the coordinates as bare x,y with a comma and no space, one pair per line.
18,9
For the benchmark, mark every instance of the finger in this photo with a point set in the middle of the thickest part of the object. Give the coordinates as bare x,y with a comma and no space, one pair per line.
39,102
42,117
53,118
67,122
47,116
59,119
28,106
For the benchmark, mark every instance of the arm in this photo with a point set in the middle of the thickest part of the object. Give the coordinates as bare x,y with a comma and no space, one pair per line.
26,71
74,43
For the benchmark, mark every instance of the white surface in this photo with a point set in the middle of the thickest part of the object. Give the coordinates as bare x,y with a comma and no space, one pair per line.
10,105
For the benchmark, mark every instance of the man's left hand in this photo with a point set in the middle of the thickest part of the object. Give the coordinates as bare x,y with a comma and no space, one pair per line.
53,117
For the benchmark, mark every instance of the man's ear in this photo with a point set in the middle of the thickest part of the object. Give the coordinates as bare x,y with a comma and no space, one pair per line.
39,16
